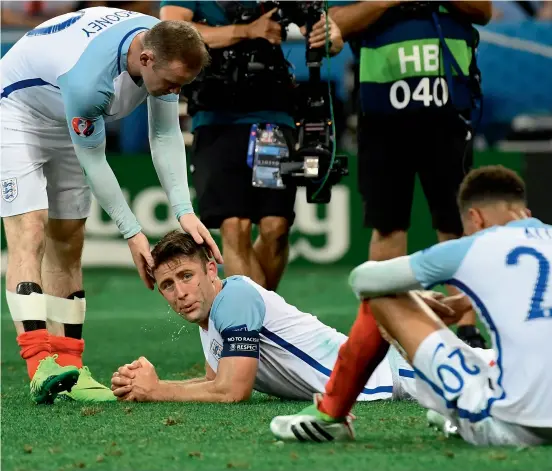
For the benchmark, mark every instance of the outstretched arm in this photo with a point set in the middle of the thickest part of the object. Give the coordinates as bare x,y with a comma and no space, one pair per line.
232,383
169,153
169,158
84,108
224,36
424,269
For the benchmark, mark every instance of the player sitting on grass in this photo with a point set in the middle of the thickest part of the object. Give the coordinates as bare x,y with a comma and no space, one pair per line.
503,266
252,339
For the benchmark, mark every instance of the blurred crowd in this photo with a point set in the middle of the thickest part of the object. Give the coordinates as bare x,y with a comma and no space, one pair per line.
28,14
518,11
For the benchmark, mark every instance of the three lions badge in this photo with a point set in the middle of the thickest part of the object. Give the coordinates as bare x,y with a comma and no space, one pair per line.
9,189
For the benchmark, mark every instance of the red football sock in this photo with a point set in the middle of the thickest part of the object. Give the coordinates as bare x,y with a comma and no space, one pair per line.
357,360
35,346
69,350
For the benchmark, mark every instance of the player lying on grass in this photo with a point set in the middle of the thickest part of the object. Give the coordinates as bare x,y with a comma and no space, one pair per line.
252,339
503,266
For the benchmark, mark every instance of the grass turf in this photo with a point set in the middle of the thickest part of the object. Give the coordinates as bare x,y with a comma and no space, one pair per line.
125,321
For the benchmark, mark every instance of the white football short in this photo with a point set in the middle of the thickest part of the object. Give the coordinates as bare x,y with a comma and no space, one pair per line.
404,381
460,383
39,168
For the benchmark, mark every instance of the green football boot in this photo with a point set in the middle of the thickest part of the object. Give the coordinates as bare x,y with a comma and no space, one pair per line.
50,379
88,389
441,423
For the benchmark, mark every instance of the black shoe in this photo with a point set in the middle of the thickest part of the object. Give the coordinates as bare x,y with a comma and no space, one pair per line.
471,335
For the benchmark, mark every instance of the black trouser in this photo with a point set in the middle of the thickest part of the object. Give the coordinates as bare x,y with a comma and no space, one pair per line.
222,178
393,149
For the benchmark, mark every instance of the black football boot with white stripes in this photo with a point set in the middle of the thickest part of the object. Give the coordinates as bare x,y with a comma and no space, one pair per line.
311,425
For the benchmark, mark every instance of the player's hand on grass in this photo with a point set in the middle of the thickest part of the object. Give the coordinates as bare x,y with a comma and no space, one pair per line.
135,382
141,254
191,224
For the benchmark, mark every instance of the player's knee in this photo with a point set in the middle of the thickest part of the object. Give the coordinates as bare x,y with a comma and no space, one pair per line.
236,234
25,234
274,231
66,237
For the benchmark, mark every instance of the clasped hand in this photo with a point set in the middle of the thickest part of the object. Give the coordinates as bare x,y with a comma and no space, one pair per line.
136,381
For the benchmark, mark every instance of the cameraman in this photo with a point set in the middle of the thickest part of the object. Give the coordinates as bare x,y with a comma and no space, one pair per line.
221,173
419,85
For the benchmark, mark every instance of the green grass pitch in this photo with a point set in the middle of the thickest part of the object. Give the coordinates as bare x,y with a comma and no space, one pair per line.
124,321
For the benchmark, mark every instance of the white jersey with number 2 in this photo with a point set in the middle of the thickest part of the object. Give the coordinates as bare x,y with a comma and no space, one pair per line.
506,271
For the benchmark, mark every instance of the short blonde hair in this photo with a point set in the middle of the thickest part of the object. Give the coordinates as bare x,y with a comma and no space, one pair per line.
177,40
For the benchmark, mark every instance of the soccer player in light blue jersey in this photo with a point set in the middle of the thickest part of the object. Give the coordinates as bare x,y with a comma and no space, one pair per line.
251,338
61,83
503,266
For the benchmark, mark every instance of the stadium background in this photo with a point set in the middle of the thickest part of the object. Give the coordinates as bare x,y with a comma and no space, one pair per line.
125,320
516,130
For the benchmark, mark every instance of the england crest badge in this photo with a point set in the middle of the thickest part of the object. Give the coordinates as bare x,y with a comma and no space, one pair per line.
216,349
9,189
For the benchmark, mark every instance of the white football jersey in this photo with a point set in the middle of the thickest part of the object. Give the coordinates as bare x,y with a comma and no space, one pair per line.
72,69
296,351
505,271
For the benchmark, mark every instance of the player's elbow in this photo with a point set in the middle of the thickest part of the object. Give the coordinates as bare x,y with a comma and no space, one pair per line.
363,282
162,142
235,398
232,392
237,395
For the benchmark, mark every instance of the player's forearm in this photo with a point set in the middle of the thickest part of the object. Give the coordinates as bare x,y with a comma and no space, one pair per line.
187,381
479,12
222,36
205,391
355,18
106,189
214,36
374,279
169,157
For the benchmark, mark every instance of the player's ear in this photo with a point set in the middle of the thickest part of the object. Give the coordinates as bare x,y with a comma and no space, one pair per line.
476,218
212,270
146,56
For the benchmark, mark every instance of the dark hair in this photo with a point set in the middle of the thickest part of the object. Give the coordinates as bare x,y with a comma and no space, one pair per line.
493,183
177,40
177,244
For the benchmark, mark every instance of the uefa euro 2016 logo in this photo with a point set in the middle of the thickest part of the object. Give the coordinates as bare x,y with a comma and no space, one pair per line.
82,127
